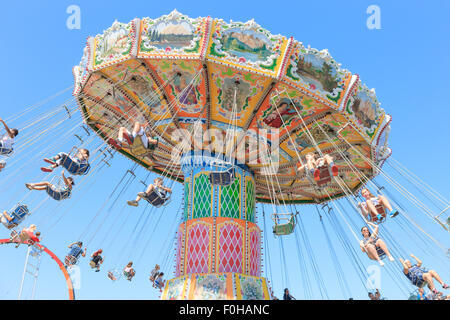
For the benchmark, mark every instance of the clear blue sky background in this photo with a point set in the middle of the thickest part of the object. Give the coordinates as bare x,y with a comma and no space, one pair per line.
406,61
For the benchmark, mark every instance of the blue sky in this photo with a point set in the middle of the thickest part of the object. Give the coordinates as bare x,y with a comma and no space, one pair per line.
406,61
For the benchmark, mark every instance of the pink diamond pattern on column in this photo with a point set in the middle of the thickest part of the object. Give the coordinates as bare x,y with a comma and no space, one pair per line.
230,248
198,249
254,252
180,252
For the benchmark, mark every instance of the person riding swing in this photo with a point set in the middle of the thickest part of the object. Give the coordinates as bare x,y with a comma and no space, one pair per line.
28,235
53,191
319,168
7,140
13,219
77,165
374,208
156,194
375,247
128,271
76,250
141,146
419,276
96,260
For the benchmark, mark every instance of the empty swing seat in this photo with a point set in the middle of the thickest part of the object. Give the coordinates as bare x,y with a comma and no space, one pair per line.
222,178
283,229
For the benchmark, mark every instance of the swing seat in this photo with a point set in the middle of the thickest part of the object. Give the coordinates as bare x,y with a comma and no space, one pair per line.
23,237
158,198
283,229
70,260
129,275
112,276
222,178
159,284
74,167
6,152
138,148
324,175
56,194
381,214
381,253
18,214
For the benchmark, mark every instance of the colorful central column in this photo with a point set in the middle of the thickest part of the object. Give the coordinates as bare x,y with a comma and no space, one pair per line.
218,252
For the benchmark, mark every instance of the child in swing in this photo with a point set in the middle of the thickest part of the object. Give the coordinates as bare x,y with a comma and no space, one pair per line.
369,206
128,271
159,282
158,185
27,235
53,191
2,165
12,219
7,140
77,165
313,165
125,136
153,274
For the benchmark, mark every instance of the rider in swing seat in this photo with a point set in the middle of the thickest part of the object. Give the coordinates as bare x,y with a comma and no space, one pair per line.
129,138
28,235
77,165
128,271
96,260
369,207
7,140
154,273
13,219
375,247
419,276
313,165
155,194
159,282
76,250
53,191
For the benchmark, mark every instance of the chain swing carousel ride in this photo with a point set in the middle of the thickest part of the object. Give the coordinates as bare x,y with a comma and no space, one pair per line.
240,117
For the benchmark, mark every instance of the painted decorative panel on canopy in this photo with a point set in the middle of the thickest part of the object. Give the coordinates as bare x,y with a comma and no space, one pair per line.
246,46
317,74
115,45
173,36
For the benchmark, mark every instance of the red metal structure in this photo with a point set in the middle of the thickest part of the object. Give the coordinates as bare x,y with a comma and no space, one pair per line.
56,259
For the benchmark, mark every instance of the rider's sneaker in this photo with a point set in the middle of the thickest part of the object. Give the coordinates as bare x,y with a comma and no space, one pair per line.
393,213
115,144
334,170
51,161
133,203
317,174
